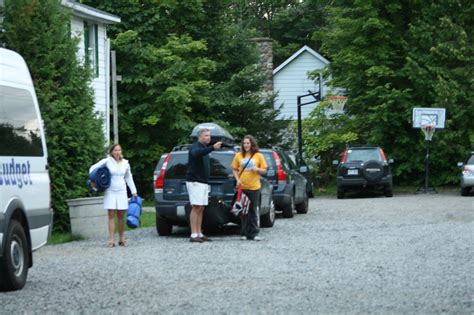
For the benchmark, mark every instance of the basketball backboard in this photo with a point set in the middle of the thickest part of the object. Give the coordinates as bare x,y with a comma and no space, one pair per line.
429,116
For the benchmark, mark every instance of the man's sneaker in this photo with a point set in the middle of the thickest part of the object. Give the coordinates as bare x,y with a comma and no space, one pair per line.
243,238
257,238
196,240
205,238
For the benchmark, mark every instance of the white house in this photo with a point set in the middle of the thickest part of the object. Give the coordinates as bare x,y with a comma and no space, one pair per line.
290,80
90,25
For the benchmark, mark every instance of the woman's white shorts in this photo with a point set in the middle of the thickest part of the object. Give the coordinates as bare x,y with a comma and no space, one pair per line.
198,193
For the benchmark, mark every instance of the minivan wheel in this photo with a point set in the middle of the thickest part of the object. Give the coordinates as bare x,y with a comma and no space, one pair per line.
303,207
268,219
163,226
15,261
288,209
465,191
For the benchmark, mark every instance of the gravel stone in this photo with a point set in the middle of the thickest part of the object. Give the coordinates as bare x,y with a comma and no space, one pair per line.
406,254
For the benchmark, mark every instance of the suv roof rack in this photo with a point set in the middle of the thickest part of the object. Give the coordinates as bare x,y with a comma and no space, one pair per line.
181,147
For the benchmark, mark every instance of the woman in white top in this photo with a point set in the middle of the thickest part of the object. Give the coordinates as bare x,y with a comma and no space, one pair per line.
116,199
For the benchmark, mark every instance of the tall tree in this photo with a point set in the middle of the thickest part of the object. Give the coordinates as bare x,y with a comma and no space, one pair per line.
440,69
290,23
39,31
391,56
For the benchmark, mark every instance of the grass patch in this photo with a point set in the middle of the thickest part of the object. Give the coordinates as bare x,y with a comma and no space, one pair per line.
147,219
63,237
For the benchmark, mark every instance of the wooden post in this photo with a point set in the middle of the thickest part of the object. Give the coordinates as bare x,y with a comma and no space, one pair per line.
114,96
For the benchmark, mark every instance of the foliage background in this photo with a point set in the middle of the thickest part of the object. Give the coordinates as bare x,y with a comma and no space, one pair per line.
392,56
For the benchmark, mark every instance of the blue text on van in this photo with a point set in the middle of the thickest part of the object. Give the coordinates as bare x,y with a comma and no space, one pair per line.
15,174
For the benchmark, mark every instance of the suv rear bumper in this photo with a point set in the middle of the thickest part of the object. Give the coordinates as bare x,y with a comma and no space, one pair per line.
177,212
345,182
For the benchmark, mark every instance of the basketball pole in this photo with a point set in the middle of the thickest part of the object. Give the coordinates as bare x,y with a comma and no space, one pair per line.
317,98
426,189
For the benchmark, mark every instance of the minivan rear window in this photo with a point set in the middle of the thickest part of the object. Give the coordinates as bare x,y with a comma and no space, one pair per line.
178,165
363,155
19,126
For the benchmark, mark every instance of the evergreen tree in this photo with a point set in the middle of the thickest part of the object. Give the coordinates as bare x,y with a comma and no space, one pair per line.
40,31
392,56
440,69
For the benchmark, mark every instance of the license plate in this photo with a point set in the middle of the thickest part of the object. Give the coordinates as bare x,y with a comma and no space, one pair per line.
352,172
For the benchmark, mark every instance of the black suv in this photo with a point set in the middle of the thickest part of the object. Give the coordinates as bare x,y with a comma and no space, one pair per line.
171,196
361,167
289,186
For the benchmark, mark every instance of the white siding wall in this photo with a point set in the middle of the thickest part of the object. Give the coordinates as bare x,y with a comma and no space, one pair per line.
292,81
99,84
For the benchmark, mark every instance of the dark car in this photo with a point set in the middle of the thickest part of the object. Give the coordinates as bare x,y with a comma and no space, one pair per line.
304,170
289,186
171,196
361,167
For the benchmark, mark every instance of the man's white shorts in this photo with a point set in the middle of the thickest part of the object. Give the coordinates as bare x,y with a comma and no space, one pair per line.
198,193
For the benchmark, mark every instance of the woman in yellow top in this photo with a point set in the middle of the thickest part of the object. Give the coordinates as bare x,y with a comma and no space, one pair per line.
247,167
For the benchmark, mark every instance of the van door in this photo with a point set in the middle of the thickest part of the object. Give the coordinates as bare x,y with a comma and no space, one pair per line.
23,160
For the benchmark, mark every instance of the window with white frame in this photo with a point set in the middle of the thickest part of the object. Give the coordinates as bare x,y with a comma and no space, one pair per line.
91,46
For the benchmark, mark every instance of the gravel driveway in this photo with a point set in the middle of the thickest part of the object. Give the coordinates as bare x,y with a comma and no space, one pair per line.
406,254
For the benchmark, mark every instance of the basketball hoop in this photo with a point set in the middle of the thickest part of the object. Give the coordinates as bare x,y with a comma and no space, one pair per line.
337,102
428,131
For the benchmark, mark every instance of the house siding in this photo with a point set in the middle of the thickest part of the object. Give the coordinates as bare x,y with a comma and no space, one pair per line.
292,81
99,84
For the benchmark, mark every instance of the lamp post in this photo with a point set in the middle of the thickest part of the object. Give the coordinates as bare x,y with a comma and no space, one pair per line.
317,98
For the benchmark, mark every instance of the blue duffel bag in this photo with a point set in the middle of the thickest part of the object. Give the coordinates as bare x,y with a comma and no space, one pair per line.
134,212
101,177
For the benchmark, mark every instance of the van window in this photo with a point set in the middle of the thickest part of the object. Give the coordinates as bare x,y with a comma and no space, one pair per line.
19,126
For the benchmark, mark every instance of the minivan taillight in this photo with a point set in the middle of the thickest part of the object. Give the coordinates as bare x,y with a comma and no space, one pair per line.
280,172
160,180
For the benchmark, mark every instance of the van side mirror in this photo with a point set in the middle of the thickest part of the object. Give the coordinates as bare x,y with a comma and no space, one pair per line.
460,164
391,161
303,169
335,162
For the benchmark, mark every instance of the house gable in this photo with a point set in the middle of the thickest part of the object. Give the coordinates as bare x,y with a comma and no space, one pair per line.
290,80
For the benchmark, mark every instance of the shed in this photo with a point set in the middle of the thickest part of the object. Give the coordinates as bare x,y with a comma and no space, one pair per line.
290,80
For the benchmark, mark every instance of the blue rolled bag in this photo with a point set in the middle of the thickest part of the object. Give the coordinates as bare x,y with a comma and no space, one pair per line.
101,177
134,212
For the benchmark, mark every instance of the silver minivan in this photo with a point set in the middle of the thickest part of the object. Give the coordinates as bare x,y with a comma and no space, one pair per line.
25,199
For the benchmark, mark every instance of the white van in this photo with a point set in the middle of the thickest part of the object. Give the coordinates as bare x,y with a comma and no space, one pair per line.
26,216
